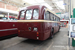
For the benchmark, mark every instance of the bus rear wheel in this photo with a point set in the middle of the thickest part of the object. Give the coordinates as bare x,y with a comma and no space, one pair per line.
51,34
59,29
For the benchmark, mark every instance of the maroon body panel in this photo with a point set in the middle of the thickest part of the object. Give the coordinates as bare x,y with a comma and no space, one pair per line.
8,28
26,33
44,30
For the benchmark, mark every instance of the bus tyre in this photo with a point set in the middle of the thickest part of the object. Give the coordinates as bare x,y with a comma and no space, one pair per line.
51,36
59,29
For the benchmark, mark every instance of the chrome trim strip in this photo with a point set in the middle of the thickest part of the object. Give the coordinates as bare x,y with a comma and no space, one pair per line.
9,29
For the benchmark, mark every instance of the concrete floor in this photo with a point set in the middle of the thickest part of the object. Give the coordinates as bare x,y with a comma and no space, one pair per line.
59,42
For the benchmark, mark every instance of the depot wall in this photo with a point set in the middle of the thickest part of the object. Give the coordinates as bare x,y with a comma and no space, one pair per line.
7,6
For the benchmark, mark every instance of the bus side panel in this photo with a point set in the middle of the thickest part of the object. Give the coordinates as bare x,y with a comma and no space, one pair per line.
47,29
8,28
54,27
58,27
6,33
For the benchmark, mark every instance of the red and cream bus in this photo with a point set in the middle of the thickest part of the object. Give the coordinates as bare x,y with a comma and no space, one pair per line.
37,22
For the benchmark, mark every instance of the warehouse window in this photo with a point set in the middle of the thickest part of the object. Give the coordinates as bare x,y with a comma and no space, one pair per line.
28,14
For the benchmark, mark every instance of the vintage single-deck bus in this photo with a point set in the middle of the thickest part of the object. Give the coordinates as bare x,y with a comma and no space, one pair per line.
37,22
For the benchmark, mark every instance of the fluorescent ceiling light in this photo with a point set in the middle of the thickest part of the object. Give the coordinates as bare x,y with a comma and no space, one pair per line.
33,1
48,6
30,1
60,4
38,2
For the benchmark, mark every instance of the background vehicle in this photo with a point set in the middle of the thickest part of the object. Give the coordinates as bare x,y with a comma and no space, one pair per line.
7,26
37,22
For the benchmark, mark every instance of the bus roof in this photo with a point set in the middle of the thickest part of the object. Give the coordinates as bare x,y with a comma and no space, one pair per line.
53,12
30,6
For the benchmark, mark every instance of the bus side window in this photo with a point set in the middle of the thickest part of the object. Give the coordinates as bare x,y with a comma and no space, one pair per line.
22,13
51,16
46,15
54,18
58,19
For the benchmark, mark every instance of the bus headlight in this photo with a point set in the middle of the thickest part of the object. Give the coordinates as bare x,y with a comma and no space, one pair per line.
35,29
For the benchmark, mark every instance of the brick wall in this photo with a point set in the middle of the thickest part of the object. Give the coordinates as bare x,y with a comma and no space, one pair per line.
9,7
2,5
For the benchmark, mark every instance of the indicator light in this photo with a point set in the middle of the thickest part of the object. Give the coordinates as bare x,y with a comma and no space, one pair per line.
37,33
18,30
